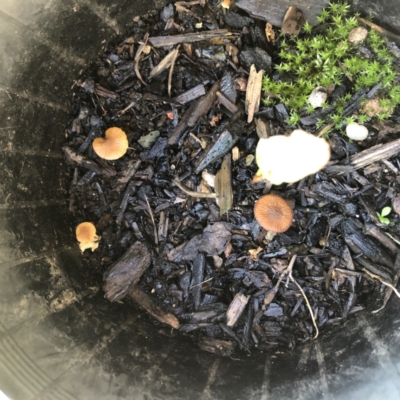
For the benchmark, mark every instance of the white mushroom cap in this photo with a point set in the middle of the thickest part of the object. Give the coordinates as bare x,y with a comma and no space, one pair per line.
356,131
291,158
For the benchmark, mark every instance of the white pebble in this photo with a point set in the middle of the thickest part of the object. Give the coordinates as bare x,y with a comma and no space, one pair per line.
356,131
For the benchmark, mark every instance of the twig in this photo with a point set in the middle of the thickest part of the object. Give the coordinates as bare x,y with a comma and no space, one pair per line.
325,129
288,270
389,291
137,58
152,220
382,281
392,237
208,280
327,239
308,304
129,106
192,193
171,70
269,296
379,29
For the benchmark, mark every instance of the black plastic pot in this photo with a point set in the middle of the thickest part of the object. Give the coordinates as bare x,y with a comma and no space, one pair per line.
59,338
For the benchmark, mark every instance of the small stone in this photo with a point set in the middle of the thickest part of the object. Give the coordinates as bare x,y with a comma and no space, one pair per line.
356,131
357,35
147,140
318,97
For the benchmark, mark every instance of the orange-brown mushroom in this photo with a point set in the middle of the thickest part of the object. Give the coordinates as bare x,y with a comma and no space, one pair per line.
86,236
114,145
273,213
226,3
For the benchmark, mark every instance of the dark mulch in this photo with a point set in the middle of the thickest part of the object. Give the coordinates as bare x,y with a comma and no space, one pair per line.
202,261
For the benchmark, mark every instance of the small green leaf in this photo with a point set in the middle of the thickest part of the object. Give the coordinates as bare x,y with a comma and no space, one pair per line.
385,220
386,211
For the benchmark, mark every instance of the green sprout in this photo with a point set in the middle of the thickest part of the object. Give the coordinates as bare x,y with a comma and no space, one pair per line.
308,61
382,216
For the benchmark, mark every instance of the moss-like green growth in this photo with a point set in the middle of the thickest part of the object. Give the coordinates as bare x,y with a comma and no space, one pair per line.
328,58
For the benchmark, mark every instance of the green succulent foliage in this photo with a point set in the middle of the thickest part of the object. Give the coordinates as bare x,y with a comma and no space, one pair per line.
324,59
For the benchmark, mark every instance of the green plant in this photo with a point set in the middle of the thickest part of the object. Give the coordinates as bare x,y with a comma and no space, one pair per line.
382,216
328,58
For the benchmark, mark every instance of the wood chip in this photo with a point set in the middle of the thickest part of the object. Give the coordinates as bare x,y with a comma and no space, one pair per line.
223,185
253,92
121,276
194,112
191,94
145,301
236,308
220,347
273,11
163,41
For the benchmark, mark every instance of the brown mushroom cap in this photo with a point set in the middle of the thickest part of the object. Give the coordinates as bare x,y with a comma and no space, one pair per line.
273,213
114,145
86,236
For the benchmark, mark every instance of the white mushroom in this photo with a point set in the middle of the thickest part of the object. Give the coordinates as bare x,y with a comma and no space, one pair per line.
291,158
356,131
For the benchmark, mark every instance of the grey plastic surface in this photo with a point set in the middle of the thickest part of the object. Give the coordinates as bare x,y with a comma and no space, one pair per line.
59,338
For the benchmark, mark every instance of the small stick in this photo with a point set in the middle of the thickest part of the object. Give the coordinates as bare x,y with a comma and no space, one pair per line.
379,29
269,296
152,220
208,280
192,193
382,281
171,70
129,106
288,270
325,129
308,304
392,237
137,58
389,291
348,272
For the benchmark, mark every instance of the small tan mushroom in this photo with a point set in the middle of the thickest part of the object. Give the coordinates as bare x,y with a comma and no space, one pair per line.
114,146
273,213
86,236
290,158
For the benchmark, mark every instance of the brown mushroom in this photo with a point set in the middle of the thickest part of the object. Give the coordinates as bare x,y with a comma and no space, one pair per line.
226,3
273,213
114,145
86,236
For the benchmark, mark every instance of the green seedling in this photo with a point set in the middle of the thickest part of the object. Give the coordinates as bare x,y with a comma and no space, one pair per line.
328,58
382,216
